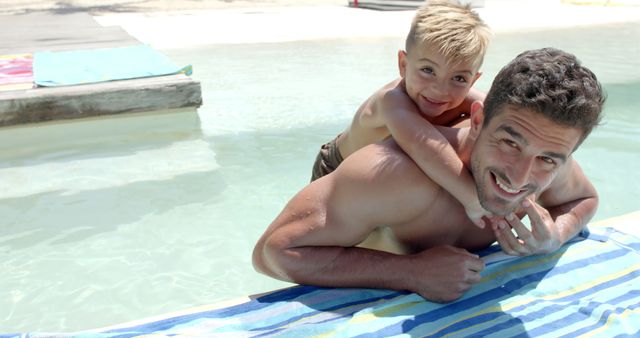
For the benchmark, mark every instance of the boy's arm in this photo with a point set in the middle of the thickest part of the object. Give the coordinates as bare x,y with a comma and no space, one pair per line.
430,150
558,215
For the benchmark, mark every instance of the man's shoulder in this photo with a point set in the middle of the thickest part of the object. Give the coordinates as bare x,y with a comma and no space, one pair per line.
379,184
383,162
569,183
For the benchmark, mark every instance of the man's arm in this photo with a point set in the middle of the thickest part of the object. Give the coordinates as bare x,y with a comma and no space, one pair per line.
313,239
430,149
559,214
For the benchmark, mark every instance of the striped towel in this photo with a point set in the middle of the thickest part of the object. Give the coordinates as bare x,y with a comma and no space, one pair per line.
16,71
588,288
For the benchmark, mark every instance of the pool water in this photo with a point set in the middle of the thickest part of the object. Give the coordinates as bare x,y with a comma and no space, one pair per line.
116,219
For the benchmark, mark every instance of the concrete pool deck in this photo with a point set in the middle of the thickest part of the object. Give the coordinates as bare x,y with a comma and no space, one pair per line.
173,24
327,20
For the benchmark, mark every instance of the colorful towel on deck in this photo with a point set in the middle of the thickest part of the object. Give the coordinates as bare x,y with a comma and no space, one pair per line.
588,288
16,71
100,65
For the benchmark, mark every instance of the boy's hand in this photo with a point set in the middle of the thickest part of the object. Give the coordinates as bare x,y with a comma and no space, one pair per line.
476,212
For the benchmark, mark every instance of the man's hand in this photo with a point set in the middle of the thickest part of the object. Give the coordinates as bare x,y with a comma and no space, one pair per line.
445,273
542,238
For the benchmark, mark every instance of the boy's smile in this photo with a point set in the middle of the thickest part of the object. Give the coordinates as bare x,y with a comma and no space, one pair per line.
434,103
434,83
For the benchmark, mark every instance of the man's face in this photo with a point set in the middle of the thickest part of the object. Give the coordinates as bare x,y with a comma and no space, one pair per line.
434,84
518,154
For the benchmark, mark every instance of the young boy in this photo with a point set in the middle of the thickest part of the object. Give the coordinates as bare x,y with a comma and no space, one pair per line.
444,51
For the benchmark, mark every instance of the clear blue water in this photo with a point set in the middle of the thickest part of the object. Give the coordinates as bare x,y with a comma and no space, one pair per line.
111,220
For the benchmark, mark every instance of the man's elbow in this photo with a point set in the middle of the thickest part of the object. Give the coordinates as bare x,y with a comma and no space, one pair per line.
258,257
587,209
267,257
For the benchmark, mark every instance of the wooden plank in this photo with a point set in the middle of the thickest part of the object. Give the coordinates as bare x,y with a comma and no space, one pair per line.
28,33
106,98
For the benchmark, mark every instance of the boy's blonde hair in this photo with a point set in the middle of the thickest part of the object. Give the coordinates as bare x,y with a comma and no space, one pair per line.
456,30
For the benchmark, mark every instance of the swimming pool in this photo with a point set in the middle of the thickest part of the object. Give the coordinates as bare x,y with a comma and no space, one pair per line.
112,220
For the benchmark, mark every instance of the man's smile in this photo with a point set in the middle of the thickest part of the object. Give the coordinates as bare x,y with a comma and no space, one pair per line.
504,188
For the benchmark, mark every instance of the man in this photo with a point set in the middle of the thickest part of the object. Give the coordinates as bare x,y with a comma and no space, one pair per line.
518,148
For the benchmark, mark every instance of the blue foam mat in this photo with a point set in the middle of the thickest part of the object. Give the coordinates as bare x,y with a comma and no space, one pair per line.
100,65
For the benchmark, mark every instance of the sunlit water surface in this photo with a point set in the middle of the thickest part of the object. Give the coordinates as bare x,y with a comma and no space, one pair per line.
111,220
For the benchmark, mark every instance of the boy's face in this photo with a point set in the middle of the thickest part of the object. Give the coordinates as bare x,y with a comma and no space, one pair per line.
434,84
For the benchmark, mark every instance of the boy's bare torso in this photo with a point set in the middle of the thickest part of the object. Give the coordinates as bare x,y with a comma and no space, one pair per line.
369,127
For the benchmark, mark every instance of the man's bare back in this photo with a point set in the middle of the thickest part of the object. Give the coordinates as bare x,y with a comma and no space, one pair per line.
431,216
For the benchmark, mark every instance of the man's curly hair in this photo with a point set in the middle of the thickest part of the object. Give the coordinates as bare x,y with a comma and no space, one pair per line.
551,82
